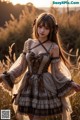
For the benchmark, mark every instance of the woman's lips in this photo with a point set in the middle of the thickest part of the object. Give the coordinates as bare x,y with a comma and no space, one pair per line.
41,33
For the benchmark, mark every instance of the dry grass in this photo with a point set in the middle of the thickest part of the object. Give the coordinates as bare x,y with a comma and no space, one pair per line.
6,95
19,30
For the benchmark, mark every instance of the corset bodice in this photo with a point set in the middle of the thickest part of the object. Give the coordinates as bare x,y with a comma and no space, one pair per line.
38,64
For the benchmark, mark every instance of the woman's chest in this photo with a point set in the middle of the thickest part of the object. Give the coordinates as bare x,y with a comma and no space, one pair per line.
43,58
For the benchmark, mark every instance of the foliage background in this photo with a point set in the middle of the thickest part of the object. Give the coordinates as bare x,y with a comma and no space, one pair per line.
16,27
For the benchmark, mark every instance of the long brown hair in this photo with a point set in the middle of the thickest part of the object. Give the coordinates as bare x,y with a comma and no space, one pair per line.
49,20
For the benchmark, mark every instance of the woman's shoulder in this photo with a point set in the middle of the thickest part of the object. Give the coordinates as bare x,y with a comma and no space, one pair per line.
54,50
55,45
29,40
28,43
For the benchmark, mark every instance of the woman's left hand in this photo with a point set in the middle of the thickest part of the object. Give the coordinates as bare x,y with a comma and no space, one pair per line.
76,86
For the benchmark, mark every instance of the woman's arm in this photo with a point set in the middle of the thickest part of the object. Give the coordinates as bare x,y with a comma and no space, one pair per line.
61,74
76,86
18,67
16,70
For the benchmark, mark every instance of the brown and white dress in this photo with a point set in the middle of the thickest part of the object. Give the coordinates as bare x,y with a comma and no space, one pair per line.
42,92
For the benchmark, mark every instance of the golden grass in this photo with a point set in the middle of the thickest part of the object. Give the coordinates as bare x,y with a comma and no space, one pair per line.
19,30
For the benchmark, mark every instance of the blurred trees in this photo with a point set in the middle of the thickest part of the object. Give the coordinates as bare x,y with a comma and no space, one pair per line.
17,30
69,27
7,8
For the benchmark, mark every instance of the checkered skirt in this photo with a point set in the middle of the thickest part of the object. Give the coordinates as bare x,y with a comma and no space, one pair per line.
39,96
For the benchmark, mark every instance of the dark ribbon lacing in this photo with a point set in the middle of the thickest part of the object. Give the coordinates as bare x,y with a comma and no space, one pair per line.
38,44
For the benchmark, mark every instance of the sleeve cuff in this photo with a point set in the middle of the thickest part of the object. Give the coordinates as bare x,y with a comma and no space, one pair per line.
7,79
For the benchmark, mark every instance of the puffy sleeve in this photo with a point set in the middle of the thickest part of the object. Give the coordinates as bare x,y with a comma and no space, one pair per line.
61,74
17,69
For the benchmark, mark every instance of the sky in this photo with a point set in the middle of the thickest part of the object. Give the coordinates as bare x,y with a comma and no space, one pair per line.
48,3
37,3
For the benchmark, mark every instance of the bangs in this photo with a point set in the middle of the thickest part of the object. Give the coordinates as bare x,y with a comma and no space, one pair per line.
46,22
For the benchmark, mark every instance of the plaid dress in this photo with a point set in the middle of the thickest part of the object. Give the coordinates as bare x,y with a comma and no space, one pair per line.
40,92
39,96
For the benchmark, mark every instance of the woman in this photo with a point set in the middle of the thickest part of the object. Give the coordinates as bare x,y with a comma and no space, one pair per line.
47,81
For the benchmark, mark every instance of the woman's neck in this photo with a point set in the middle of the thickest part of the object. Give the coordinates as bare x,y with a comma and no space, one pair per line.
42,39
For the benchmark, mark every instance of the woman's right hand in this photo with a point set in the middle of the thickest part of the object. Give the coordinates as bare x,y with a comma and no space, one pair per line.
76,86
1,78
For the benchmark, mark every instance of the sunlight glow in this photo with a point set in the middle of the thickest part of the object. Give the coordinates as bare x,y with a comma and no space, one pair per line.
37,3
48,3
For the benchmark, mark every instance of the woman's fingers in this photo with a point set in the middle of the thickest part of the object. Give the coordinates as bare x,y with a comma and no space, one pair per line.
76,86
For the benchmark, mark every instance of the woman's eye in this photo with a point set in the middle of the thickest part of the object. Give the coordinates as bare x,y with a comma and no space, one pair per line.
40,26
46,28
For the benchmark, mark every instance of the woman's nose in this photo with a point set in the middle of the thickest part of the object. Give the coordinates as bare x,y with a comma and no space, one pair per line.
42,29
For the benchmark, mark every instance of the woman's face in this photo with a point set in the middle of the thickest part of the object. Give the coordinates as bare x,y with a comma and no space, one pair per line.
43,31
